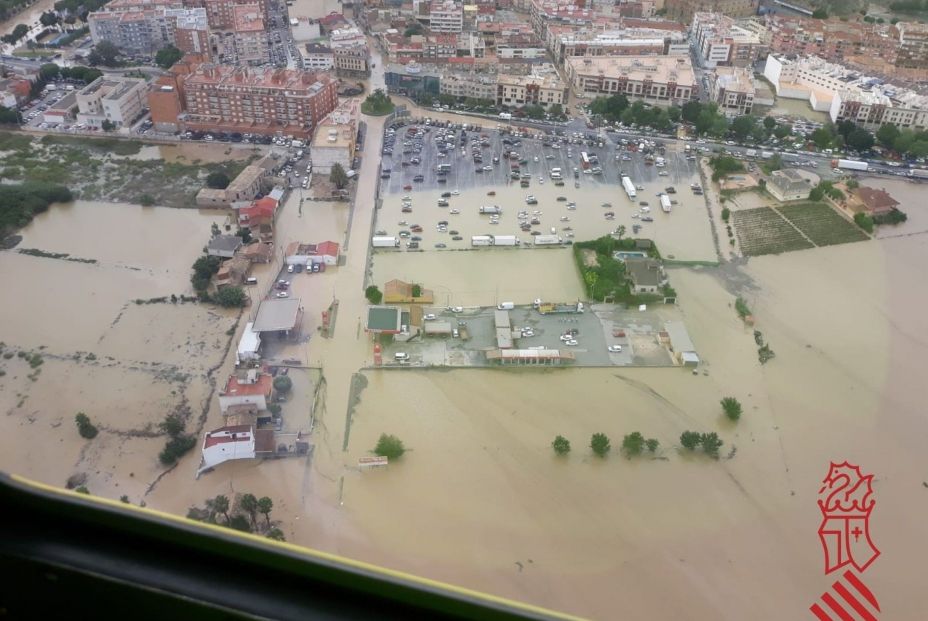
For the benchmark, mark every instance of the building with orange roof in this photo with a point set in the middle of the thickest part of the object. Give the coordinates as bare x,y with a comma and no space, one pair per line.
255,388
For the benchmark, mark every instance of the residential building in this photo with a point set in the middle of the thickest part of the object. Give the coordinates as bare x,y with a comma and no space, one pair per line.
282,316
227,443
732,88
446,16
263,101
304,29
648,39
542,87
335,138
317,57
720,41
61,111
352,61
469,85
387,320
347,37
413,79
912,51
298,253
846,94
223,246
645,275
789,185
255,388
118,100
399,292
246,41
872,201
142,32
654,79
684,10
221,14
832,39
259,217
14,90
241,190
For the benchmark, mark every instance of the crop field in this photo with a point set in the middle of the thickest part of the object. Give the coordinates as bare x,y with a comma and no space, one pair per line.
822,224
765,231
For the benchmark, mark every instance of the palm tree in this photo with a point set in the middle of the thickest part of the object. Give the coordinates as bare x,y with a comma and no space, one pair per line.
220,504
250,506
265,505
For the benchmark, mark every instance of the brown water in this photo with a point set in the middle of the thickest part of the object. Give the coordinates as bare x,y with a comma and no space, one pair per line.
27,16
189,152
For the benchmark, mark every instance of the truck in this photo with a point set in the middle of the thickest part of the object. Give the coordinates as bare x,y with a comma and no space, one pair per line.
506,240
494,210
751,153
505,116
481,240
383,241
547,240
546,308
918,173
766,155
849,164
665,203
297,144
629,187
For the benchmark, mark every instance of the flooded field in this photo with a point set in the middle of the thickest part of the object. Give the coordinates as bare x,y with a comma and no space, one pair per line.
193,152
125,365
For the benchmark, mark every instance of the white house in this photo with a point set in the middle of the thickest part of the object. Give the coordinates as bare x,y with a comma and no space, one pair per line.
249,345
308,254
226,443
255,389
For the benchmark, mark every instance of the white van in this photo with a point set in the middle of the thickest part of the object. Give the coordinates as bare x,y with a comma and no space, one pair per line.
251,281
401,356
505,306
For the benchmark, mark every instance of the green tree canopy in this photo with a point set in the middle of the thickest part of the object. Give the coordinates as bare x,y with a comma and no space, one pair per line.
742,126
732,408
283,384
249,505
265,506
561,445
633,444
599,442
218,180
338,176
104,53
373,294
231,297
167,56
887,135
389,446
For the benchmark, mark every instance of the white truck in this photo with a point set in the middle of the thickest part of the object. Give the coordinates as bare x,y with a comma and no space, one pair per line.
766,155
506,240
493,210
481,240
547,240
918,173
382,241
751,153
297,144
666,205
849,165
629,187
505,116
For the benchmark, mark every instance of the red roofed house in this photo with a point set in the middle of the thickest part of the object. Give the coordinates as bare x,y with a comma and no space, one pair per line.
308,254
261,212
875,202
235,442
255,389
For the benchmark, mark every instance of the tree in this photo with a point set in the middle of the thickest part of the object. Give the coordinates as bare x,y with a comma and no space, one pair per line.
283,384
711,443
107,125
724,165
652,444
20,31
231,297
674,113
416,291
239,522
265,505
534,111
175,448
691,110
819,14
249,505
822,137
217,180
124,499
726,214
82,490
599,442
173,425
852,184
561,445
389,446
49,71
146,200
84,427
887,135
690,440
338,176
373,294
782,131
860,139
556,110
167,56
49,18
276,534
104,53
377,103
633,444
413,29
817,193
864,221
742,126
620,231
770,123
220,504
732,408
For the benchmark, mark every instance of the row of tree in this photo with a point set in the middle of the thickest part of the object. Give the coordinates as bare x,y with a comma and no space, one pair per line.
240,514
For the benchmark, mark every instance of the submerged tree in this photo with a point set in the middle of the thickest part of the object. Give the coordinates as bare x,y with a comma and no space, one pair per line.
561,445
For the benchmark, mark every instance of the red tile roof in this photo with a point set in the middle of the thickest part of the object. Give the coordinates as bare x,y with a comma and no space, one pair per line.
235,387
876,201
223,435
329,248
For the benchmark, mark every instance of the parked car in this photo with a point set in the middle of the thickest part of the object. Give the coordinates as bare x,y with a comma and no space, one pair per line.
615,349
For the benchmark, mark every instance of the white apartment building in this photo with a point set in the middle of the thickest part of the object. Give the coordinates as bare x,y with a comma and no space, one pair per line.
721,41
446,16
474,86
566,42
346,37
543,88
654,79
115,99
317,57
732,88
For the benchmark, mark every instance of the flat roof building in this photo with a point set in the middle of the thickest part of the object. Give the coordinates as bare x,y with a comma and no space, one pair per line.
732,88
278,315
118,100
653,79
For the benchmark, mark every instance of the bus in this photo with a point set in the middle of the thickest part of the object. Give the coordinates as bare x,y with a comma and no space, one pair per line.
584,160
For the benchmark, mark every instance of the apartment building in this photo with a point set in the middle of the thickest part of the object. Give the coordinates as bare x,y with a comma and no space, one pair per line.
542,87
732,88
426,47
221,14
335,138
846,94
115,99
317,57
352,61
263,101
720,41
684,10
138,32
912,50
567,42
832,40
546,13
653,79
472,85
245,43
446,16
346,37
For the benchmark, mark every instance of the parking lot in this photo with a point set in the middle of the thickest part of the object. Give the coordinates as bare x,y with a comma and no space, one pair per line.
592,333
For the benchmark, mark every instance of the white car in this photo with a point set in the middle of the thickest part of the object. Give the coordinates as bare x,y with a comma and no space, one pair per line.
566,337
615,349
528,333
571,343
429,317
289,269
457,309
454,192
282,294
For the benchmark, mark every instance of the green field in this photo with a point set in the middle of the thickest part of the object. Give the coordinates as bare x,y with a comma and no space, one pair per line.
764,231
822,224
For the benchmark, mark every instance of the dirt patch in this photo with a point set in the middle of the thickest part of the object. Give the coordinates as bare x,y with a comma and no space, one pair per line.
589,258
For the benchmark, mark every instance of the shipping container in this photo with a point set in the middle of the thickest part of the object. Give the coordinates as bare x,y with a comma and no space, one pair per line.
547,240
481,240
506,240
385,242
